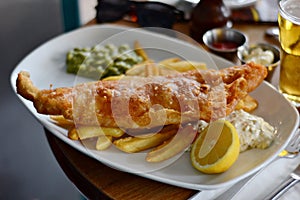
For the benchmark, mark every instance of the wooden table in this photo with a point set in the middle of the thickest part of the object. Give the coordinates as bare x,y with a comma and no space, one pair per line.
97,181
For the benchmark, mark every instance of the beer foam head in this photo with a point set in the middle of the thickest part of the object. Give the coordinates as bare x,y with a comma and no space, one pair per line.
290,9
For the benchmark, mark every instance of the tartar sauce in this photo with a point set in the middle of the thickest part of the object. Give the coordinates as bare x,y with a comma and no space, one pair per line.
254,131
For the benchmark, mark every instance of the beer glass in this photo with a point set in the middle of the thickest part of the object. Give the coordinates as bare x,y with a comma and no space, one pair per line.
289,26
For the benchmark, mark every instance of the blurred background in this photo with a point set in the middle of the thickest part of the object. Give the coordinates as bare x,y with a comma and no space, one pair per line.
28,169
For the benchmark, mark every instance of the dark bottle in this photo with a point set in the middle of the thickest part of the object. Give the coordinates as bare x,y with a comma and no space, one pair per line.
206,15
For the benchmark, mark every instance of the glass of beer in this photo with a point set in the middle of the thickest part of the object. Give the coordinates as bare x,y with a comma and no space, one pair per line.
289,27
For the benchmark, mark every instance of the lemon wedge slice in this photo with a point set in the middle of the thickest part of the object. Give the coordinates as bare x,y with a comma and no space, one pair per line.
216,148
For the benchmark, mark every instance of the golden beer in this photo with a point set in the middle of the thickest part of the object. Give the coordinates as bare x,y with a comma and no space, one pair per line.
289,26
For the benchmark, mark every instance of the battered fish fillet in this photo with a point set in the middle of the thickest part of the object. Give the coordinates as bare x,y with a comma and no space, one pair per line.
140,102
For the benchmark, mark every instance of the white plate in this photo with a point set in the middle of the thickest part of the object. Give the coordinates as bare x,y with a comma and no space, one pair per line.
234,4
46,65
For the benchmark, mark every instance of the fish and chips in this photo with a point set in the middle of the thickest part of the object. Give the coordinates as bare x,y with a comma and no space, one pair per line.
148,107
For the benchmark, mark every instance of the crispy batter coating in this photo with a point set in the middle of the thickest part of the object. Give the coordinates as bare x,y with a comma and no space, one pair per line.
141,102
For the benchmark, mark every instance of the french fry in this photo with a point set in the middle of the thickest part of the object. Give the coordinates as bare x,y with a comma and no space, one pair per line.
143,131
151,70
140,51
183,66
248,104
137,144
95,131
177,144
138,69
103,142
72,133
169,60
163,71
62,122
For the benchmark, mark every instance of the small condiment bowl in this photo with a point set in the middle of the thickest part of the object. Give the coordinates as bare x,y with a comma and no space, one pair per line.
224,40
244,50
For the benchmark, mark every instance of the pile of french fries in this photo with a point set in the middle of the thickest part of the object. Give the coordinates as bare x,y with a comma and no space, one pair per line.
164,143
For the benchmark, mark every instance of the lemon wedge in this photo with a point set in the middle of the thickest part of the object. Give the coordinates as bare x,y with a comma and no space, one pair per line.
216,148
